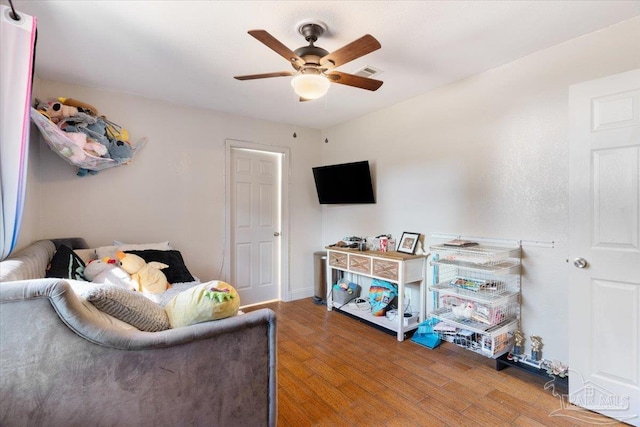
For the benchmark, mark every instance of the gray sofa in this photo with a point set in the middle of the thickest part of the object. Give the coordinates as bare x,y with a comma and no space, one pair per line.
63,363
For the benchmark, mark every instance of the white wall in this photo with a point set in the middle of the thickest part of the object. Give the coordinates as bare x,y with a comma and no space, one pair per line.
174,188
486,156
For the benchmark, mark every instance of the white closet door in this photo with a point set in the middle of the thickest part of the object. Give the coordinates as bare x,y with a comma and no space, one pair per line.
604,243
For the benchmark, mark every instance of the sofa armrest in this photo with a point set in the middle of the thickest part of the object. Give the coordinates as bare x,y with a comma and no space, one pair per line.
214,373
28,263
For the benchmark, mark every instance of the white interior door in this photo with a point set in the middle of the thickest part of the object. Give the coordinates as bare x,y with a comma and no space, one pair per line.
255,224
604,244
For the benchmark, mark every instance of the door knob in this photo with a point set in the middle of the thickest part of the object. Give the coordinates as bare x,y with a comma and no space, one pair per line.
276,233
580,262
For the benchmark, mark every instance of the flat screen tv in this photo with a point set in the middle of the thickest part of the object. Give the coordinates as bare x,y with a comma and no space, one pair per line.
345,183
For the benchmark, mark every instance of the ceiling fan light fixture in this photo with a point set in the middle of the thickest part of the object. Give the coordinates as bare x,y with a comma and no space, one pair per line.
310,86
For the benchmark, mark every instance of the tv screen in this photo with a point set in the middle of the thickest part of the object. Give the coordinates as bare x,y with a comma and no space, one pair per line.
345,183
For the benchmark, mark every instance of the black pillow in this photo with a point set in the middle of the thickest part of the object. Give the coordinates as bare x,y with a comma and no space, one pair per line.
177,272
66,264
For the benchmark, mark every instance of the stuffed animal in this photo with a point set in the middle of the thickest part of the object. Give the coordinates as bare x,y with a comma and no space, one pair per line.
147,276
83,107
107,270
74,153
108,134
120,151
88,145
207,301
57,111
115,131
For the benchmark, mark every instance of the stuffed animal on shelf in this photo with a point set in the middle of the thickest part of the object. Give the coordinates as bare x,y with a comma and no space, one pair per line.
147,276
107,270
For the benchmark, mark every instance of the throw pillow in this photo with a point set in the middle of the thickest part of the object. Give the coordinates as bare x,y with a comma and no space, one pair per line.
161,246
177,271
209,301
130,307
65,264
110,251
86,255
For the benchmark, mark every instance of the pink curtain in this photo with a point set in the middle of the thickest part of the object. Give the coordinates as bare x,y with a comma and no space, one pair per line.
17,49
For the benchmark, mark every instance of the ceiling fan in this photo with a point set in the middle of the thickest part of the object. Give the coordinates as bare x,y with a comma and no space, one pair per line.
313,65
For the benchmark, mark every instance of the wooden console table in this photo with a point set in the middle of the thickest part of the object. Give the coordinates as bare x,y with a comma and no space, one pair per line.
395,267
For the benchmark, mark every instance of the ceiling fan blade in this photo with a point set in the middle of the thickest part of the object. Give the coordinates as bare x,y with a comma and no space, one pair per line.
305,99
265,75
364,45
275,45
353,80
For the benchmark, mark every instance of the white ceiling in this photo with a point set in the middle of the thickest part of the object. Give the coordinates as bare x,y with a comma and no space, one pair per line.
188,51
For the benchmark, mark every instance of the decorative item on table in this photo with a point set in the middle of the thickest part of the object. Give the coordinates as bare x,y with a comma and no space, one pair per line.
347,242
381,243
384,240
352,241
372,243
408,242
391,244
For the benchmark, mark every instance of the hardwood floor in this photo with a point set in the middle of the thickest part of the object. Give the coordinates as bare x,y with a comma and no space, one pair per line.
336,371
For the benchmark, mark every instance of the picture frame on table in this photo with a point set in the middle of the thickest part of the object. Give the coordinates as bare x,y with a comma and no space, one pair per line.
408,242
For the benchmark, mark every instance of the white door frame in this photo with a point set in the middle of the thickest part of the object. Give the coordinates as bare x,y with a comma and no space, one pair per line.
285,291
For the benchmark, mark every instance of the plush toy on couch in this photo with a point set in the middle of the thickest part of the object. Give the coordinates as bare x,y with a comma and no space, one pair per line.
147,276
107,271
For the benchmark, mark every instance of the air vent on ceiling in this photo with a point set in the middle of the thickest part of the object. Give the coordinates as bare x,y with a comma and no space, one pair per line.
368,71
